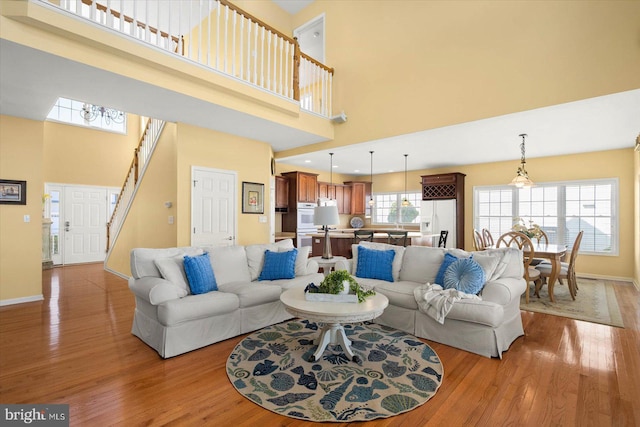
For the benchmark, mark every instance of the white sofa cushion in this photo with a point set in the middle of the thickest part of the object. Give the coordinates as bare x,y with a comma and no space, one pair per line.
229,264
253,293
143,259
194,307
477,311
255,255
421,264
397,259
172,269
511,262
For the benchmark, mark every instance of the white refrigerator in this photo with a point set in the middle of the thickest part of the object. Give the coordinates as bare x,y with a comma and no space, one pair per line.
438,215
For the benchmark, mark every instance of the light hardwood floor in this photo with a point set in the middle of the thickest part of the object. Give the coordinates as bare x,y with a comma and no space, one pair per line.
75,347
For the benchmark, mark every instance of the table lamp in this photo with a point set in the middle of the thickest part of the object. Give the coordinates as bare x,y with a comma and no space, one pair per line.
325,216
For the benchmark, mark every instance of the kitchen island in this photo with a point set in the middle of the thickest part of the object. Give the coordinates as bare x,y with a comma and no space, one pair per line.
342,239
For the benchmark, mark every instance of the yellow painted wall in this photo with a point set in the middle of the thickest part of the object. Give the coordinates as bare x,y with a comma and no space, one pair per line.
147,225
78,155
604,164
417,65
210,149
21,243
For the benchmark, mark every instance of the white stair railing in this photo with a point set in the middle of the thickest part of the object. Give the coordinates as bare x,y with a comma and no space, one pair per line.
142,155
220,36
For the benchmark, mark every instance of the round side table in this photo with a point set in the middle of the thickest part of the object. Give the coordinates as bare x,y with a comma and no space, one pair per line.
327,264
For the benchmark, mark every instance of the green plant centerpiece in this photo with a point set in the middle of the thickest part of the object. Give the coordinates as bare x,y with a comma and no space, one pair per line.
334,284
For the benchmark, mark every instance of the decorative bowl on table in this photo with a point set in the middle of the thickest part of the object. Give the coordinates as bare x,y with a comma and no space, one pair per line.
356,222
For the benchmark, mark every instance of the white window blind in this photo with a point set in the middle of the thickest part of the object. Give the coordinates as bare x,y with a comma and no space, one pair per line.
385,210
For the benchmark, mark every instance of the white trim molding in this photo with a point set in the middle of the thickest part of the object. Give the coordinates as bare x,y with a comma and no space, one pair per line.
21,300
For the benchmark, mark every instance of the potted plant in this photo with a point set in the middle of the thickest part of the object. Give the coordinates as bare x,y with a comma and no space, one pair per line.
341,281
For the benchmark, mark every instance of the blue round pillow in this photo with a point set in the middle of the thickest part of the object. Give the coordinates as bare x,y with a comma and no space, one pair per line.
465,275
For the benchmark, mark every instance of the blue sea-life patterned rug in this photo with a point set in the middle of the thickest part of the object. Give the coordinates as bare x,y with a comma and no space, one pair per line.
397,372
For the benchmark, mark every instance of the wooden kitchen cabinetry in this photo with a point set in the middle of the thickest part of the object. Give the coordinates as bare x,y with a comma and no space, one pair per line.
360,193
447,186
282,194
303,187
338,192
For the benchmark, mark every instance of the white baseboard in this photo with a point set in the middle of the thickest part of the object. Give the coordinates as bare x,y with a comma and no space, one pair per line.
21,300
599,276
117,273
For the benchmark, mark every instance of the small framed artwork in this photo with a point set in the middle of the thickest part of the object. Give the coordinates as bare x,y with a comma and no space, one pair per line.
13,192
252,198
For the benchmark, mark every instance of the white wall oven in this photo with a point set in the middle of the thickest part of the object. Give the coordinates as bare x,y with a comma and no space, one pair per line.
305,227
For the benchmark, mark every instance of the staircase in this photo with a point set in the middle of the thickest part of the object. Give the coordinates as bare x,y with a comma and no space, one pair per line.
141,156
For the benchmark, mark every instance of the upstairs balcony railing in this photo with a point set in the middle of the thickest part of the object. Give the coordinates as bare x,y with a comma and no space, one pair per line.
220,36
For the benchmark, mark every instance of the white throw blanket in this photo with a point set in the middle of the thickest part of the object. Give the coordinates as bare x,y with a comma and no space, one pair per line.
437,302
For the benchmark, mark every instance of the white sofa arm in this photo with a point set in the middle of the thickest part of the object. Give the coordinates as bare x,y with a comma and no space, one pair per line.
155,290
504,290
312,266
344,265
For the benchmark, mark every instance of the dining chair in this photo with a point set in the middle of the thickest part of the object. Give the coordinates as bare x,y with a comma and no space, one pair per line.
362,235
442,241
397,238
487,238
521,241
567,269
478,242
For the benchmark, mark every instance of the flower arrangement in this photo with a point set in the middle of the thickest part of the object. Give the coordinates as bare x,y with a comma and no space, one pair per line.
335,281
532,231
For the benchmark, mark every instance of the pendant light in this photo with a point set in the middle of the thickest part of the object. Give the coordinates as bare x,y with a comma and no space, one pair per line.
405,201
371,202
522,177
330,176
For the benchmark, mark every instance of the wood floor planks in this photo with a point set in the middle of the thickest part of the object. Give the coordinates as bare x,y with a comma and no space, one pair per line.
76,347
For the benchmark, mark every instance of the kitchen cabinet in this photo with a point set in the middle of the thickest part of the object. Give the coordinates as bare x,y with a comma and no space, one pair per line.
338,192
303,187
360,193
447,186
282,194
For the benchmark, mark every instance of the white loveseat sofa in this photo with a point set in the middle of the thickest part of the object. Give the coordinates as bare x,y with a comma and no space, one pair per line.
486,327
172,321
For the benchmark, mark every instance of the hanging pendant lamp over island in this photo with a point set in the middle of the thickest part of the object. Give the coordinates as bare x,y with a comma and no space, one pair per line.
522,177
405,201
371,202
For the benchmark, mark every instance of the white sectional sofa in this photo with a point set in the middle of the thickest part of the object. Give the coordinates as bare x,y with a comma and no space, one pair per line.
486,327
172,321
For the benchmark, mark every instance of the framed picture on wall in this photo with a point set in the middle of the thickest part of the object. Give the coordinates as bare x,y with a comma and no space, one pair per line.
252,198
13,192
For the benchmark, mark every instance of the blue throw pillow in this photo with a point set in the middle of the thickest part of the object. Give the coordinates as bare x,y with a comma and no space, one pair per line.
465,275
279,265
200,274
375,264
448,260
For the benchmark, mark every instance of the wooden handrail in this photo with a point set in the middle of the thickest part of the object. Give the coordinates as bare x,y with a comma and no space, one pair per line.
130,20
319,64
250,17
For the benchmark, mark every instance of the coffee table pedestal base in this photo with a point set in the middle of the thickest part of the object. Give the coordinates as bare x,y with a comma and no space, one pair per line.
332,334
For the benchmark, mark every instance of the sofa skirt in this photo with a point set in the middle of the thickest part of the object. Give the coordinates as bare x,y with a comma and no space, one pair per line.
260,316
171,341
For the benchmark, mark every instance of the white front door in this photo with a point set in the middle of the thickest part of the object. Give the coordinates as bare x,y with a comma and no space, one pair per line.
213,207
83,221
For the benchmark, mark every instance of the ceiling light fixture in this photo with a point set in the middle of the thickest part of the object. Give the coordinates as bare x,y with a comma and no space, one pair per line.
371,202
405,201
522,177
91,112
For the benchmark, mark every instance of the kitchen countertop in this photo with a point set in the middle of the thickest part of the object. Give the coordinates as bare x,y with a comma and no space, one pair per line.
285,235
376,235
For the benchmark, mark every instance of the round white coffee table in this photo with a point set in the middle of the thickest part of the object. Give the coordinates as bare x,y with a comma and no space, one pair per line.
333,314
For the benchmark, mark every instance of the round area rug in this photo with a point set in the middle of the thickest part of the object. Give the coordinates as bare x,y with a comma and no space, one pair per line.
397,372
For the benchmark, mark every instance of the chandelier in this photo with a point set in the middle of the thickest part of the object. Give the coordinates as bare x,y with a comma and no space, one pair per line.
91,112
522,177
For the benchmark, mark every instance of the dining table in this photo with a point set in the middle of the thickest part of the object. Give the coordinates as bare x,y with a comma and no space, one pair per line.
554,254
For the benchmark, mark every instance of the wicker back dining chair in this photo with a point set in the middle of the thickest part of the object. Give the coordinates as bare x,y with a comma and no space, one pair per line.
487,238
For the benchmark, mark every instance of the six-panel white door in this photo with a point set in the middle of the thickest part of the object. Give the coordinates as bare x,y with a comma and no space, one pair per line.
84,223
213,207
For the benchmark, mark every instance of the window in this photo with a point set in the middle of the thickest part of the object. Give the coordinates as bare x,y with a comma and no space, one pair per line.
560,209
72,112
385,209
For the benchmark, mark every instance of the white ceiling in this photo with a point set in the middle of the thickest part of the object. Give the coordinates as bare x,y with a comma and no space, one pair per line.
595,124
293,6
